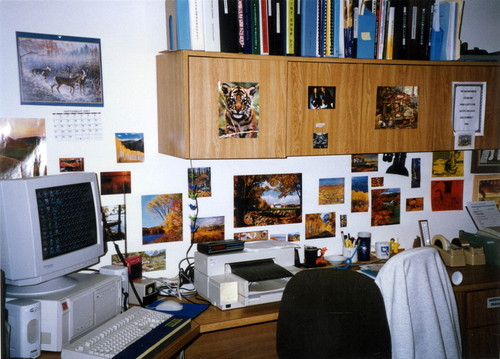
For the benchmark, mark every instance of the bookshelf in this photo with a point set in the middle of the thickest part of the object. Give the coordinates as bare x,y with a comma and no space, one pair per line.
188,104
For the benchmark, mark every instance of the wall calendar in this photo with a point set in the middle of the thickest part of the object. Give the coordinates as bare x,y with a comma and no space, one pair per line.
81,125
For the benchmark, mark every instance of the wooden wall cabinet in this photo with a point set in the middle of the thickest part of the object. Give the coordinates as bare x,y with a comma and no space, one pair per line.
188,105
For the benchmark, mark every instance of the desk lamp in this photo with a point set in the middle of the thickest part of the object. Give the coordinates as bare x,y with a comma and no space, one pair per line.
398,165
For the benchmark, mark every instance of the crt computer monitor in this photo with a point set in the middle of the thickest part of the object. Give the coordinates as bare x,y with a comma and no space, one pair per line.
50,226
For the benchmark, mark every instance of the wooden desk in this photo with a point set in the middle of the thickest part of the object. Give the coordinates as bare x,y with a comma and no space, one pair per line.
250,332
479,325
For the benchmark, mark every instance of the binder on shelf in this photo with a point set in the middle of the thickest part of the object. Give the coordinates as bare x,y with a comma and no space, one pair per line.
178,31
247,27
366,33
264,28
255,26
211,25
196,25
309,25
228,26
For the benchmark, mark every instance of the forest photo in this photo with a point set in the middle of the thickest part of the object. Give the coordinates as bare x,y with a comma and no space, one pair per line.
320,225
359,194
261,200
386,206
161,218
200,181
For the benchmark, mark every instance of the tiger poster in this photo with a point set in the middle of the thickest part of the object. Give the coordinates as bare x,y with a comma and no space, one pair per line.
238,110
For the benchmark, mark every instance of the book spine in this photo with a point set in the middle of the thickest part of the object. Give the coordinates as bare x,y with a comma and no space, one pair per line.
264,28
308,40
211,24
390,34
247,25
255,15
241,25
170,14
183,28
290,27
196,25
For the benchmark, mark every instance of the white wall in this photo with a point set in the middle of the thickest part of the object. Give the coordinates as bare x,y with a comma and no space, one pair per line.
132,33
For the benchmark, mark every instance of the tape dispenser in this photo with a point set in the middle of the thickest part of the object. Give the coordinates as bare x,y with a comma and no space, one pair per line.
459,252
451,255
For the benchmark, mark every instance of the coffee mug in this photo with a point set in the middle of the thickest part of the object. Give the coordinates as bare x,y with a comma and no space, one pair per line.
382,250
311,254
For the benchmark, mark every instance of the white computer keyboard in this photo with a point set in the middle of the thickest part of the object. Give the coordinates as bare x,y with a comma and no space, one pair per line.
131,334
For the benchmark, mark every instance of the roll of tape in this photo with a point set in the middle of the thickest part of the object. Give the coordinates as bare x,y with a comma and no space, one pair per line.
441,242
460,242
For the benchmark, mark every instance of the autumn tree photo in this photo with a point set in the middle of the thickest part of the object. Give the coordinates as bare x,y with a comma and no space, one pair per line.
162,218
267,199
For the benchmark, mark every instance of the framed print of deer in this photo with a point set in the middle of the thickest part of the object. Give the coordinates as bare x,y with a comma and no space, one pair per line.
59,70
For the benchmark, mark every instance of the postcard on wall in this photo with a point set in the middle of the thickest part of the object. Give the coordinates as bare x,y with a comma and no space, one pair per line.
320,225
468,107
238,110
129,147
397,107
448,164
59,70
447,195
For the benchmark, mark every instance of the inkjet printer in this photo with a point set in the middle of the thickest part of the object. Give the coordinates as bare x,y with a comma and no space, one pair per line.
255,275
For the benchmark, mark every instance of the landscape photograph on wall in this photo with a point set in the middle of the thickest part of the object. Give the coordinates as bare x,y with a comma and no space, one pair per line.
161,218
129,147
320,225
261,200
386,206
209,229
331,190
151,260
23,148
359,194
397,107
59,70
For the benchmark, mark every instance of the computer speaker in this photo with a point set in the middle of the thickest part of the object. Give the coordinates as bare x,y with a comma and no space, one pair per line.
24,319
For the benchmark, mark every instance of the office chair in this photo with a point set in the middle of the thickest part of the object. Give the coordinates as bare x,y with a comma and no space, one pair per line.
332,313
420,305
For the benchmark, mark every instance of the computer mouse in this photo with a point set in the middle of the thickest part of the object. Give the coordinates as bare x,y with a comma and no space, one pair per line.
169,306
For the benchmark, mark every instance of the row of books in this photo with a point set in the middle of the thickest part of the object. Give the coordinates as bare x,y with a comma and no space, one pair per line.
370,29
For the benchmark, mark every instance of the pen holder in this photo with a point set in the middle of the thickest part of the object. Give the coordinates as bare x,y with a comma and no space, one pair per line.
350,253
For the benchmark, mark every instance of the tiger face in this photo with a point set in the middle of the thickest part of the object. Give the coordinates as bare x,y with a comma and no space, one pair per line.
241,120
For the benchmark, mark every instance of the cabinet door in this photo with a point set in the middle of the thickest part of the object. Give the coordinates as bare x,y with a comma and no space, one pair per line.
206,107
323,131
443,126
400,105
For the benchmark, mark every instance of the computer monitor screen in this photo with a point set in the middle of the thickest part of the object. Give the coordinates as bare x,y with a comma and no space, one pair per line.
50,226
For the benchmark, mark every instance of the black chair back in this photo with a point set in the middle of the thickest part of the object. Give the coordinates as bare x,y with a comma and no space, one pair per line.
332,313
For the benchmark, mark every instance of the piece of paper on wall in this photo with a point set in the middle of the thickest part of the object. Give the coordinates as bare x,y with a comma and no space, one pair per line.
468,107
23,148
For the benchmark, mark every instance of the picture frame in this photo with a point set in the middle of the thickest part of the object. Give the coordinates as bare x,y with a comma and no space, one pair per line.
59,70
485,161
486,188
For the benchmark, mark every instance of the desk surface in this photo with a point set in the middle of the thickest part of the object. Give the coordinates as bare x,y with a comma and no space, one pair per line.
213,319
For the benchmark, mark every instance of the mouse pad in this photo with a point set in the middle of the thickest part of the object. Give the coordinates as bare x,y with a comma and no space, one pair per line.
189,310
